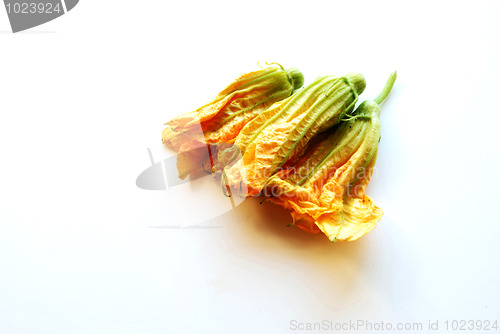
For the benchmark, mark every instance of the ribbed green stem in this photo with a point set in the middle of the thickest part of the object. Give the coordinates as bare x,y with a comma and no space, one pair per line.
387,89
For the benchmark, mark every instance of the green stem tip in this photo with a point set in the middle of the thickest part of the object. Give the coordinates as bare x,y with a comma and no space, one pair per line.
387,89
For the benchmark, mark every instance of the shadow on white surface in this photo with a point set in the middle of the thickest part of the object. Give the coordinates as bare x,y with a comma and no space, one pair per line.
260,232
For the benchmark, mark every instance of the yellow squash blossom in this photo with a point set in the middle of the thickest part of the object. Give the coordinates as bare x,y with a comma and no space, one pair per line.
325,190
221,120
278,136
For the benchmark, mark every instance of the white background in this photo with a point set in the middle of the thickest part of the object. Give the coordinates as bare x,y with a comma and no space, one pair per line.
82,249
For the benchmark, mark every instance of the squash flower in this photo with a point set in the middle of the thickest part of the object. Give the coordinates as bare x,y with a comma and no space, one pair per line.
326,190
196,135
